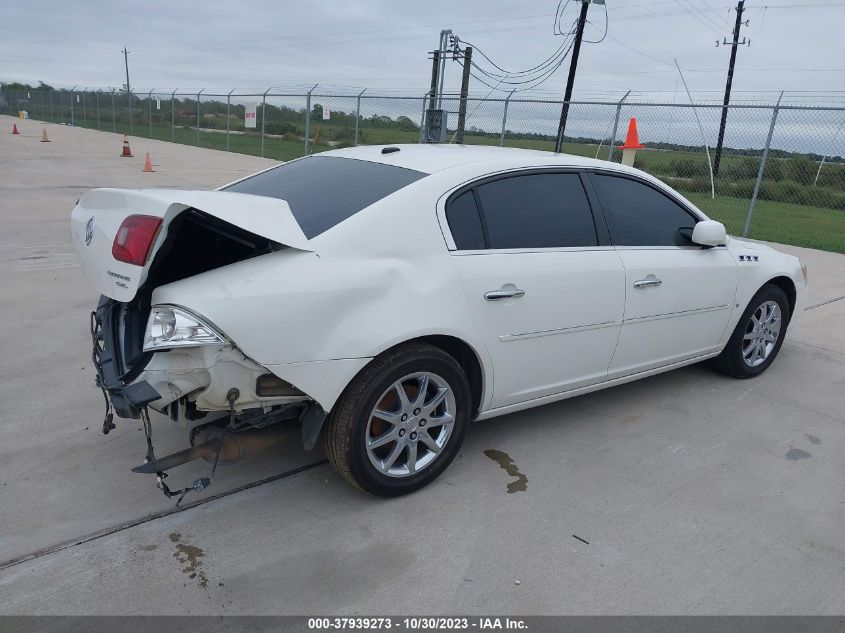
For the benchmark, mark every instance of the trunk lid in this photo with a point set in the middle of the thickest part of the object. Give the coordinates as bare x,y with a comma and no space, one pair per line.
97,216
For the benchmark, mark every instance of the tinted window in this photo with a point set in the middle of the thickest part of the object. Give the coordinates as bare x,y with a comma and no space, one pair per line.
323,191
642,216
465,223
536,211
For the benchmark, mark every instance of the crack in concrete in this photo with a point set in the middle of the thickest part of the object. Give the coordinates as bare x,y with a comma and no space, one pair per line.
824,303
152,517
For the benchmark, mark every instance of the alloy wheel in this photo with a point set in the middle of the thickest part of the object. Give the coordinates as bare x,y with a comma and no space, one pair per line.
410,424
761,333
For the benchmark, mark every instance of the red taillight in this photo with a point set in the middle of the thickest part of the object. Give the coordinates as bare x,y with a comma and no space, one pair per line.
134,239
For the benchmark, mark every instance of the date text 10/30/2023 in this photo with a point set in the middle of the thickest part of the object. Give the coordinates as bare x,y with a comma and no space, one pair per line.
422,623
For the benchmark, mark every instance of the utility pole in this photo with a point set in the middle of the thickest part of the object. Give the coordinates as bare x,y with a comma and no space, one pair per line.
462,109
444,44
435,73
128,90
740,7
573,64
433,119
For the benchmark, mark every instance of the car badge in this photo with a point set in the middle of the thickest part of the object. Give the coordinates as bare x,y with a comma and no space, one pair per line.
89,231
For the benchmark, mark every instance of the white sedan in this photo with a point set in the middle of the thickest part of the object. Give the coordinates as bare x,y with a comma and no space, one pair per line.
386,296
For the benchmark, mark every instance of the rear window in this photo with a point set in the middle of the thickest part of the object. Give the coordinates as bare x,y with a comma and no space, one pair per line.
323,191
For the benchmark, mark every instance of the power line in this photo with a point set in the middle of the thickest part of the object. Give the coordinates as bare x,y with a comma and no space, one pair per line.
508,73
725,23
529,78
710,14
701,20
826,5
280,41
606,24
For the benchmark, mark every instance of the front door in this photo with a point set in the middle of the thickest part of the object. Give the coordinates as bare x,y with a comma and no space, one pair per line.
679,296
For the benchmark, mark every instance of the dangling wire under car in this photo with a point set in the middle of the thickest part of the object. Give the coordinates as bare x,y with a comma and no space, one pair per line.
202,483
99,380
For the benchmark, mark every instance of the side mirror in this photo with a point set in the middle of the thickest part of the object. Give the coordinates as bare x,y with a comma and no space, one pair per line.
709,233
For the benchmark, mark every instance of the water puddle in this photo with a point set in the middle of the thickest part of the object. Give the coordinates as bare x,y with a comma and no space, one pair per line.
504,460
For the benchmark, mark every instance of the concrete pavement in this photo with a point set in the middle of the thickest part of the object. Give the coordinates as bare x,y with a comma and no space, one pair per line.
689,492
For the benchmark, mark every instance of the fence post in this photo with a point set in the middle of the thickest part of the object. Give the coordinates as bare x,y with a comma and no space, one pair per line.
610,147
747,228
264,117
422,118
173,116
358,114
72,92
308,119
97,98
150,111
228,110
113,119
84,117
198,116
505,118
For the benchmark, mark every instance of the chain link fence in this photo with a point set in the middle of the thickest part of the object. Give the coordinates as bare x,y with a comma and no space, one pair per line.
780,176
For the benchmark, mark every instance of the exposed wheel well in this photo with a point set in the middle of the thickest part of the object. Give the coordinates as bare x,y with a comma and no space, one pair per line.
788,287
467,359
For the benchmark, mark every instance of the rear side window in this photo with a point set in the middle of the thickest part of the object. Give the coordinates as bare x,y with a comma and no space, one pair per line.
642,216
323,191
465,222
537,211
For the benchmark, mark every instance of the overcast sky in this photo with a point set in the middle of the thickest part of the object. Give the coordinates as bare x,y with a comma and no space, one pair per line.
796,44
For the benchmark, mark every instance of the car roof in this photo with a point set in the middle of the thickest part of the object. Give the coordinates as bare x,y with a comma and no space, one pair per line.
431,158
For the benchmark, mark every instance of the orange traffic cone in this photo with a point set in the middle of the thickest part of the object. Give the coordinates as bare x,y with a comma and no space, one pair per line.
44,138
15,128
127,153
632,139
632,144
148,163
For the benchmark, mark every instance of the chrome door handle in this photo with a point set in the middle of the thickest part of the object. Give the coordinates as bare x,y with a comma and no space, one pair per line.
648,282
495,295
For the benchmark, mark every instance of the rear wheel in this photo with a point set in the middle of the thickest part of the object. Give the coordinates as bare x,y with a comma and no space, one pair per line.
400,422
758,336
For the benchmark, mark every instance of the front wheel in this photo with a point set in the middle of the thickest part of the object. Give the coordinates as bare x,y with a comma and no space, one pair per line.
400,422
758,336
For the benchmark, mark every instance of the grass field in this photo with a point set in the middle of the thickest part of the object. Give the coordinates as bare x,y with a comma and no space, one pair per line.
800,225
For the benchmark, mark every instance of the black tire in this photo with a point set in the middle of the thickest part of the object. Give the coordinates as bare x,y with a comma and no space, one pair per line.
346,430
731,361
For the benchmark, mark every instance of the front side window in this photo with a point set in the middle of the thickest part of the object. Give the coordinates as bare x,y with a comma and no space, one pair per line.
531,211
323,191
642,216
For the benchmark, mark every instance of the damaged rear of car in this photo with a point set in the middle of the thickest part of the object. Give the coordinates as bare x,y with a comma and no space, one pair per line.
154,255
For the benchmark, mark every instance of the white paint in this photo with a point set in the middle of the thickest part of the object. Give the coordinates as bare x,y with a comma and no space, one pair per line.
317,312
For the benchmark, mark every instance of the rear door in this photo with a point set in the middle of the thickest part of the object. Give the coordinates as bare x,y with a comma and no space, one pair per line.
544,287
679,295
